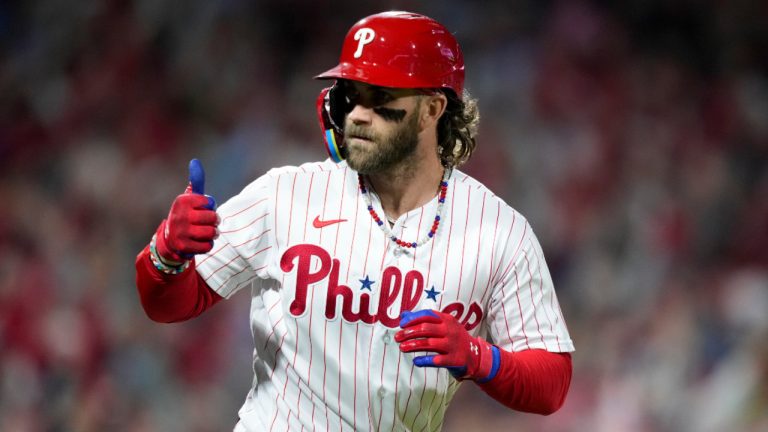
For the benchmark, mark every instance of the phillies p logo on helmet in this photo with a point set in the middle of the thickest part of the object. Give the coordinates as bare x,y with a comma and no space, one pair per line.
364,36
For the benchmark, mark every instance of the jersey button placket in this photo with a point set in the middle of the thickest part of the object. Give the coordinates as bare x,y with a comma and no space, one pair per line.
385,379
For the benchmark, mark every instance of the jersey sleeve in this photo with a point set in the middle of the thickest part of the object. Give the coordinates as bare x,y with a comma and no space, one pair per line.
243,249
524,312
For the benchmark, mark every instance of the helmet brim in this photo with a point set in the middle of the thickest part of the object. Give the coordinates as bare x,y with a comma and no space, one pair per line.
373,74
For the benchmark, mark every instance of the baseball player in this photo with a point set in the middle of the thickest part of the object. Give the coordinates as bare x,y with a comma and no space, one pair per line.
383,277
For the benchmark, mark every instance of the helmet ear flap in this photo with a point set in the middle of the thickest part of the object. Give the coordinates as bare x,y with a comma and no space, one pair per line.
330,113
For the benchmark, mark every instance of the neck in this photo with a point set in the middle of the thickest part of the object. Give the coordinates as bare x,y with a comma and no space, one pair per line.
408,185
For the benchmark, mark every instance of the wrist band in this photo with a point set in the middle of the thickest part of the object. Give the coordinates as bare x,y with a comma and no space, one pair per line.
158,262
495,365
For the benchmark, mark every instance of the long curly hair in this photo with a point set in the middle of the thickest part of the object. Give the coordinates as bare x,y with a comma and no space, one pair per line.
457,129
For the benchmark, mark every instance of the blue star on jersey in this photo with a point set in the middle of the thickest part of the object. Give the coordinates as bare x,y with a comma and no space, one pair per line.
432,293
366,283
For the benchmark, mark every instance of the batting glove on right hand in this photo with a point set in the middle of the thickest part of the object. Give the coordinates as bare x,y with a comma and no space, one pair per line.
465,356
192,223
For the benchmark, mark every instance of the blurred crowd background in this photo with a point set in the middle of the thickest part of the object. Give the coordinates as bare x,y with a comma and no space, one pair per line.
632,134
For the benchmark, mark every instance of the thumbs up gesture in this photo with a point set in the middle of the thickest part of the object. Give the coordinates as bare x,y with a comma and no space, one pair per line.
192,223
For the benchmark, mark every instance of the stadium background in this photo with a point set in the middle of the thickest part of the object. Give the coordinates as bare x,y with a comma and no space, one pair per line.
633,135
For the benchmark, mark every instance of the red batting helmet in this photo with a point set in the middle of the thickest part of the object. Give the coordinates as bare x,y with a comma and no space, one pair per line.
392,49
401,49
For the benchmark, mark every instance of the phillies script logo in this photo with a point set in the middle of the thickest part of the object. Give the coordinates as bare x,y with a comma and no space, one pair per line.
364,36
409,288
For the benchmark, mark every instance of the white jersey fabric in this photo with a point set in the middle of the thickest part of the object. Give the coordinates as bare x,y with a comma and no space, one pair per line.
328,286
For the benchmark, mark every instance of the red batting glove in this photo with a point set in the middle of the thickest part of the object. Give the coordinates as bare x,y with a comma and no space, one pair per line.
191,224
465,356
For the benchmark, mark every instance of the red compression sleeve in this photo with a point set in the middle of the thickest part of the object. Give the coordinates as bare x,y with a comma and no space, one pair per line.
172,298
534,381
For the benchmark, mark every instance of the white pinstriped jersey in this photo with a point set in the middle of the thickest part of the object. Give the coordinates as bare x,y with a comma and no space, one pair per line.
328,287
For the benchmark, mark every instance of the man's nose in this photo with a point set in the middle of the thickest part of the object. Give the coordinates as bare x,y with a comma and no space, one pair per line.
360,114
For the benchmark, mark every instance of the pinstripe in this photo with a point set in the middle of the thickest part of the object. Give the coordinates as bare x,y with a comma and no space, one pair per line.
354,380
449,237
235,274
311,302
493,266
258,252
381,380
285,385
210,255
553,303
325,200
370,347
338,406
354,230
277,359
357,328
384,253
277,207
479,242
325,338
421,399
290,212
434,397
494,273
341,206
533,302
463,244
511,263
257,237
397,381
288,241
225,265
519,310
418,234
274,327
370,342
244,210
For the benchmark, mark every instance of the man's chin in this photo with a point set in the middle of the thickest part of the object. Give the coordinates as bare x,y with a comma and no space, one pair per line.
360,163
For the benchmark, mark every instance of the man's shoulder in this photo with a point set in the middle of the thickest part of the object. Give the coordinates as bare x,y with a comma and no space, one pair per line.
305,168
476,188
262,188
291,173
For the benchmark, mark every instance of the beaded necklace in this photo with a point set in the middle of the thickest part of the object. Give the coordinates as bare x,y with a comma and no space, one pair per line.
385,227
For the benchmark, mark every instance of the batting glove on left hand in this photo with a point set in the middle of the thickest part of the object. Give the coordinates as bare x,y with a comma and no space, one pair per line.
465,356
192,222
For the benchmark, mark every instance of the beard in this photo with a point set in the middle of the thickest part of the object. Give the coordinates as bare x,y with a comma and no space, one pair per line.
382,152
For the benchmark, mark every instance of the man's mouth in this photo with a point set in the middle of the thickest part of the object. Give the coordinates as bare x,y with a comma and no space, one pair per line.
361,137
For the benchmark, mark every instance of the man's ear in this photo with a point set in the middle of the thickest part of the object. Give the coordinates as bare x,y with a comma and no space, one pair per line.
433,108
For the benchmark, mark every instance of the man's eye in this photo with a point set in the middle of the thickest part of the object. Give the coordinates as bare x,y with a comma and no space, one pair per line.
380,98
351,99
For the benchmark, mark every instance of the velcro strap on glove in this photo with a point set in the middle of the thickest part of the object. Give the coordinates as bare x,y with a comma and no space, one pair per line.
490,359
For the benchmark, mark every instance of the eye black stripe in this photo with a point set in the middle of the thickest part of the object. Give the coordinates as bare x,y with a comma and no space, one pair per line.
393,115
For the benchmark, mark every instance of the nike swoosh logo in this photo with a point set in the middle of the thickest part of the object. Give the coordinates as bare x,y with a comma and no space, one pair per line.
317,223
